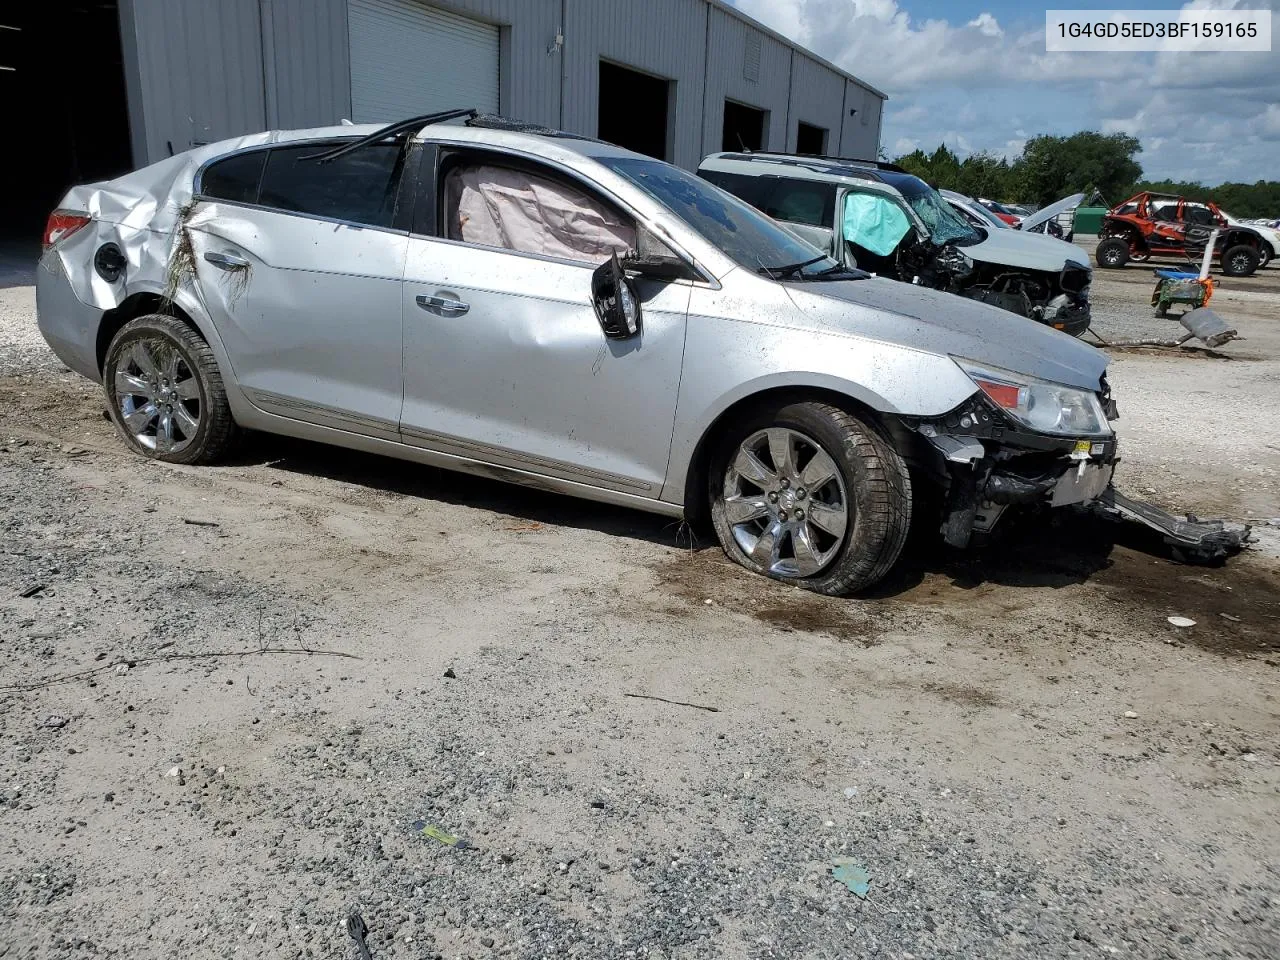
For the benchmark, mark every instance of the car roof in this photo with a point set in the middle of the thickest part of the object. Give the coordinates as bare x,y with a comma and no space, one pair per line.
884,177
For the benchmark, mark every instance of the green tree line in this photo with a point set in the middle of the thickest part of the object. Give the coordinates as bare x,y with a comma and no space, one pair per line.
1053,167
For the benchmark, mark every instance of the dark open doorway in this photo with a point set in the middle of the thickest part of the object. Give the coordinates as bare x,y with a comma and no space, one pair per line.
64,98
743,127
633,110
811,139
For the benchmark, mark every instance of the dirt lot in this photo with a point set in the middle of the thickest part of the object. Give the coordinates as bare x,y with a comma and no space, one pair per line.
650,752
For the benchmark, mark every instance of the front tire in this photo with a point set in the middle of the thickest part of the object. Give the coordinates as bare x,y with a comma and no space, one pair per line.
165,392
809,494
1112,253
1240,261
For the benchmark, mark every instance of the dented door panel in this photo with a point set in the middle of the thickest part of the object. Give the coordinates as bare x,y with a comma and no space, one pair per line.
505,362
309,311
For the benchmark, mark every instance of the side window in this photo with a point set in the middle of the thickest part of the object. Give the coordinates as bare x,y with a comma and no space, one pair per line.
359,187
1200,215
802,201
235,178
515,208
754,190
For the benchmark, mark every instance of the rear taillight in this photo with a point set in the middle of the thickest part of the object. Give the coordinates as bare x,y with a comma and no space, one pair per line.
62,224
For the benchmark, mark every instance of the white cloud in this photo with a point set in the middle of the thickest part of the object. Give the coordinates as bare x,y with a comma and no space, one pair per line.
979,83
987,25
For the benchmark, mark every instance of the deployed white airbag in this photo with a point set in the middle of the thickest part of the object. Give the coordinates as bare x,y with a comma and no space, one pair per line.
501,207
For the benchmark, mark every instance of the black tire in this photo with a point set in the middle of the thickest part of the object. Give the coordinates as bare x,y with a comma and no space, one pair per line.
1112,253
1240,261
876,487
215,432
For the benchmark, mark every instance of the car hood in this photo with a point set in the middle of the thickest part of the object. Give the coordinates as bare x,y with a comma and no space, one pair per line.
1052,210
1029,251
920,318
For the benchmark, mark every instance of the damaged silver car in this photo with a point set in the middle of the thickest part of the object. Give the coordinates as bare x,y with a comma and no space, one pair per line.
520,303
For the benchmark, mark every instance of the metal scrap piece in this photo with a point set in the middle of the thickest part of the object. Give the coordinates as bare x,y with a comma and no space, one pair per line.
1192,539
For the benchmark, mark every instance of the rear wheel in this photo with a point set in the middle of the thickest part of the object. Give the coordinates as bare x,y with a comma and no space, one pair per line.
1112,253
1240,261
809,494
1264,255
165,392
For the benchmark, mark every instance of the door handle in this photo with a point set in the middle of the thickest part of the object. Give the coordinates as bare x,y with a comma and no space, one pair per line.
444,306
227,261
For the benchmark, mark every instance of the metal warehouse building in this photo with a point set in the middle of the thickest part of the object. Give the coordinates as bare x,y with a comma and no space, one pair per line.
109,84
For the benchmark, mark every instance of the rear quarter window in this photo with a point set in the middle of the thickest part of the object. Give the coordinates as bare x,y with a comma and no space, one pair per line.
359,187
235,178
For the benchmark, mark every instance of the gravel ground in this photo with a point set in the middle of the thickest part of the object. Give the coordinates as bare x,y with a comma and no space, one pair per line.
649,752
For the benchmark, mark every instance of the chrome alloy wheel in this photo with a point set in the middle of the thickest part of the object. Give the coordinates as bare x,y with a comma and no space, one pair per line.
158,396
786,503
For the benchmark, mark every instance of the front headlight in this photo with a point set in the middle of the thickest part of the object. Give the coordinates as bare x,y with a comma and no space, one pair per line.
1043,406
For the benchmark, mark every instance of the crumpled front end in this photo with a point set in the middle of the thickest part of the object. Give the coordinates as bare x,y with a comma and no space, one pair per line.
987,463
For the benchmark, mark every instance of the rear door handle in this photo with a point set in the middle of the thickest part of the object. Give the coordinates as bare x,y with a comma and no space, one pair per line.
443,306
227,261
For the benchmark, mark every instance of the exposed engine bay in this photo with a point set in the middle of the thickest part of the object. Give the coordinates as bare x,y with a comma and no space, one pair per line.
1060,300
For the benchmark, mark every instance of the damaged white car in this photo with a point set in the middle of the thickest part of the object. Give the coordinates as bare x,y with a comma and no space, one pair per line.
524,304
880,218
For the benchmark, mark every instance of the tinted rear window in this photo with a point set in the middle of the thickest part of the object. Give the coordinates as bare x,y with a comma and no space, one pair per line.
754,190
235,178
803,201
359,187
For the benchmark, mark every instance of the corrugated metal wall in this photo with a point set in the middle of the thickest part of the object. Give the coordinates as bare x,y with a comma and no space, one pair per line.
817,98
662,37
205,70
308,70
727,80
199,71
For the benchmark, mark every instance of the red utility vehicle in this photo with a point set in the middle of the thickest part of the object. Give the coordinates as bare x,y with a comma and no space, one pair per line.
1164,225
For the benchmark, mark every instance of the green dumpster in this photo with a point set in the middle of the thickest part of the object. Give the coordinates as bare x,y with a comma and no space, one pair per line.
1089,219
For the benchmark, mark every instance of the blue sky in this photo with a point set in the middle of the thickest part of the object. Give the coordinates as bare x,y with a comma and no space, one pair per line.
976,76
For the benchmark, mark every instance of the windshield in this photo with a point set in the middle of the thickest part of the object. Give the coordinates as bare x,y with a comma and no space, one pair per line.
940,218
743,233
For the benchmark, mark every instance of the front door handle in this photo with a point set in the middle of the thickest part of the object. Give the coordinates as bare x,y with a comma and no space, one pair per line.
227,261
444,306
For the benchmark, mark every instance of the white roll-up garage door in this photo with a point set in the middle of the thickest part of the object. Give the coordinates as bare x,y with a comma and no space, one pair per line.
408,58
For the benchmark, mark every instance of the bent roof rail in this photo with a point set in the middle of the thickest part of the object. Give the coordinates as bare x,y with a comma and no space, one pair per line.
391,130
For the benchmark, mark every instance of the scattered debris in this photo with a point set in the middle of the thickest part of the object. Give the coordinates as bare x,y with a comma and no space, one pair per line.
422,828
122,668
53,722
357,929
1193,540
675,703
529,527
192,521
1227,616
1182,621
1130,715
449,674
853,875
32,590
850,792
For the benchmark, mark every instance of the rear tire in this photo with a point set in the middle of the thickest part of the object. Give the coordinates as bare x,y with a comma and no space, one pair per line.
1264,255
165,392
1240,261
1112,253
776,463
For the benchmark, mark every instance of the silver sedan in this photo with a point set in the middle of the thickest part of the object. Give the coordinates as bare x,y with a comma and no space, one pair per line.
550,310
